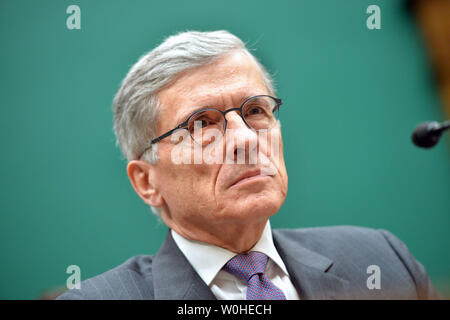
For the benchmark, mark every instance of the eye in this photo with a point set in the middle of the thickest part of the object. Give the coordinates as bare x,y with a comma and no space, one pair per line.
255,110
205,120
201,123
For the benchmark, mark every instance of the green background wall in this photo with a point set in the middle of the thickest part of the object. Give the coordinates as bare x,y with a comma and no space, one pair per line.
352,97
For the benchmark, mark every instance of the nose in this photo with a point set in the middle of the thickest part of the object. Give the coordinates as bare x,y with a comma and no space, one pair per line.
241,141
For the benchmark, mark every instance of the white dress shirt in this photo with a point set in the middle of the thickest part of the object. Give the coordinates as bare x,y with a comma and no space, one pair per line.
208,261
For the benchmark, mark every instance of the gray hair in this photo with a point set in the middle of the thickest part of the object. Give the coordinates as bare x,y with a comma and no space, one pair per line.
136,104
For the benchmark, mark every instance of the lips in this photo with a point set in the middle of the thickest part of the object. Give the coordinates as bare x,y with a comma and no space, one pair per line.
246,175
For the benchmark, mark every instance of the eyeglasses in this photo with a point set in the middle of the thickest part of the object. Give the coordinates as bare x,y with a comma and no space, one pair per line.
259,113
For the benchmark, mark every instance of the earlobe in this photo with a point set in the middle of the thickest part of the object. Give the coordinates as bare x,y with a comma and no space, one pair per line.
143,181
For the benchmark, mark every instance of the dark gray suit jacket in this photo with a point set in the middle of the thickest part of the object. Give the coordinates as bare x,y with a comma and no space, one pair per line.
323,263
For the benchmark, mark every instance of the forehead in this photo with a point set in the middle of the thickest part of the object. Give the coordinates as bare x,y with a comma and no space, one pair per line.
228,80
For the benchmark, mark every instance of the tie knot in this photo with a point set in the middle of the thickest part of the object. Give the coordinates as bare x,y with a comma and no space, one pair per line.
246,265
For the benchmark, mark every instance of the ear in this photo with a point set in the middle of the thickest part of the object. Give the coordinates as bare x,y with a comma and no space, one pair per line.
141,175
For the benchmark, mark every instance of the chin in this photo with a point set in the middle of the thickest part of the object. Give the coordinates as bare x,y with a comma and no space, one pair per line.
256,208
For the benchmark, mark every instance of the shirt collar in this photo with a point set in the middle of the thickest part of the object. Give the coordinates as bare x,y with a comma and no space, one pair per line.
207,259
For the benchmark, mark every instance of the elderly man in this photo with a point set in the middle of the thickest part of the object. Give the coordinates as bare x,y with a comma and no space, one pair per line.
197,119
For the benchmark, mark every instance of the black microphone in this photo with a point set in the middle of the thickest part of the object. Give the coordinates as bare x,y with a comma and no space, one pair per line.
427,134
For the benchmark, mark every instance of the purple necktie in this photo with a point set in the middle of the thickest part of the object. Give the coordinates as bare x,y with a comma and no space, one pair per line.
250,267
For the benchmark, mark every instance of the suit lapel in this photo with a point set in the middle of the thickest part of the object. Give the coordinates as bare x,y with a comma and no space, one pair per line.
173,276
309,271
175,279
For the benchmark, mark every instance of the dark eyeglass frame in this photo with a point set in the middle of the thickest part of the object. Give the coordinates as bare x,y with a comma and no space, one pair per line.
184,124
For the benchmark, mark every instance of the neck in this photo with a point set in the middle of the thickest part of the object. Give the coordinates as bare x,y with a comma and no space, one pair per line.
238,238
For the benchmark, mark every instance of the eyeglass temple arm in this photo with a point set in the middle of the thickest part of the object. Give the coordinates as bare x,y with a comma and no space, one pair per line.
168,133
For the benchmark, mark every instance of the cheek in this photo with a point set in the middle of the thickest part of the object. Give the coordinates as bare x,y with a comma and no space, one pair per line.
277,158
283,172
274,146
184,183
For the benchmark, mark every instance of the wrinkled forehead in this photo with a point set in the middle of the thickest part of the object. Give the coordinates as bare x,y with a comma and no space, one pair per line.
225,83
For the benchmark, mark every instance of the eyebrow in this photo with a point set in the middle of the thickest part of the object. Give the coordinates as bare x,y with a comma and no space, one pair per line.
186,114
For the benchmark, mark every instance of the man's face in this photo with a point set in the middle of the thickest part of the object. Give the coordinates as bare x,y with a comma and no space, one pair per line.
209,195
